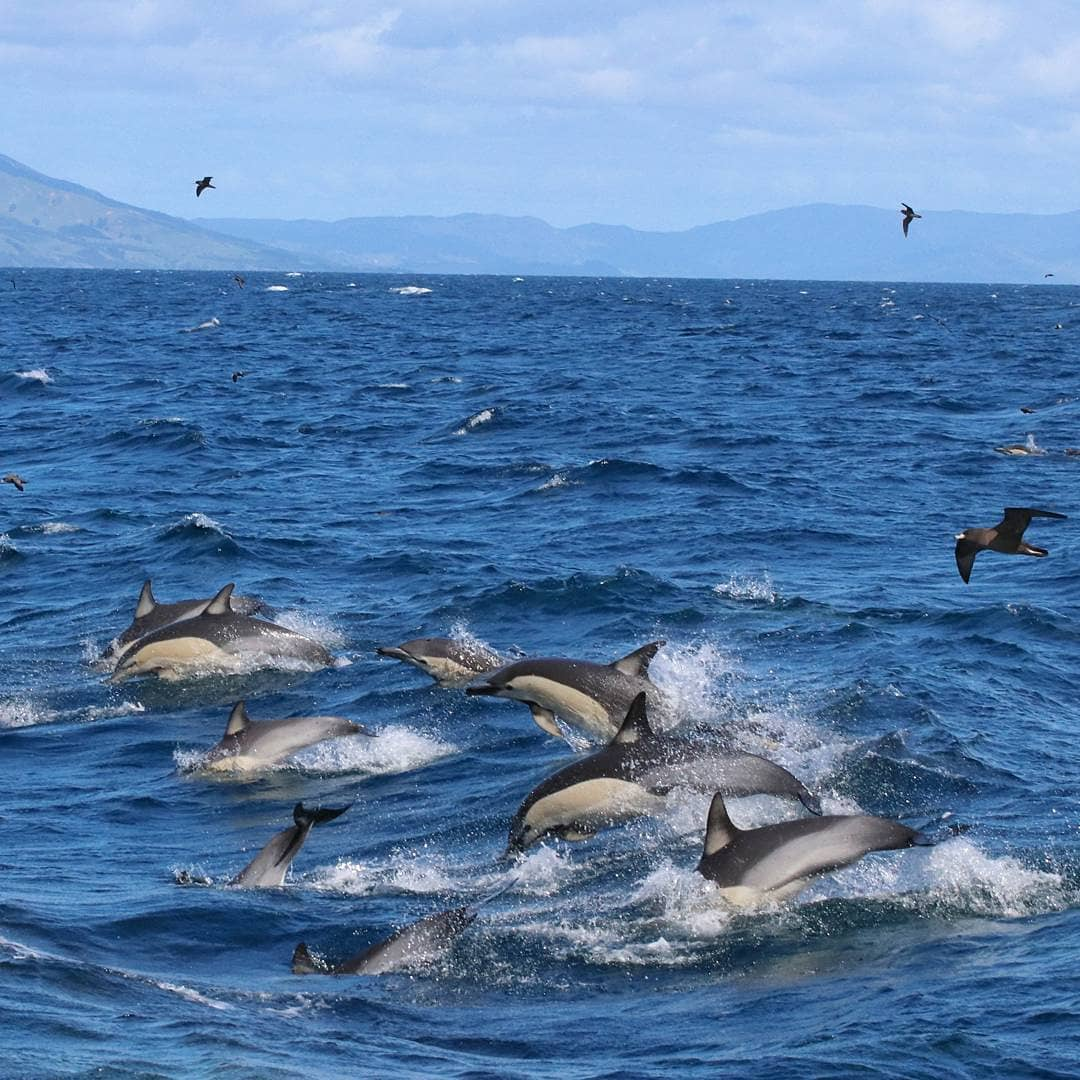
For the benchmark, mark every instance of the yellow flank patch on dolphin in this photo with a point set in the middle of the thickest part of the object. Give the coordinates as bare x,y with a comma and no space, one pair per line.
600,803
564,701
169,658
236,763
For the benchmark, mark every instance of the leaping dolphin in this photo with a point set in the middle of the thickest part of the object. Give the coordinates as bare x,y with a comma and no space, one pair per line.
448,662
151,615
631,777
250,745
774,862
415,945
267,870
217,639
595,697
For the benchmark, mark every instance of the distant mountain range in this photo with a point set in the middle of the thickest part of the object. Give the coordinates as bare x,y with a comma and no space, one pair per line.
49,222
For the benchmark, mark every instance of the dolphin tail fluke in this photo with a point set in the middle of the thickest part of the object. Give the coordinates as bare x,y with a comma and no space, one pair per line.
319,815
303,963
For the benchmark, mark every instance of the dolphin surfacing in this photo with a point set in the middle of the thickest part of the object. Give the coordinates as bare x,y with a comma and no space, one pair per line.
449,662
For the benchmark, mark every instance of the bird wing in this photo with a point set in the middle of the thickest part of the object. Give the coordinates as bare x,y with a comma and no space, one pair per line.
907,209
1018,518
906,222
966,550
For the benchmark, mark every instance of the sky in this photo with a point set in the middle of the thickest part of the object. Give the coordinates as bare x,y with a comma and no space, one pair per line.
658,115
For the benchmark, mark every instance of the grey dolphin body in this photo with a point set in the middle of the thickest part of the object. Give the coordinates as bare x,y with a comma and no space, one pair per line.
595,697
1007,536
249,745
269,867
632,775
151,615
777,861
448,662
419,943
217,638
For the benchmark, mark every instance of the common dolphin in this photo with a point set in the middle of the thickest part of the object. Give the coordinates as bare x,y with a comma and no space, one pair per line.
591,696
1007,536
631,776
267,870
150,615
216,639
419,943
773,862
448,662
250,745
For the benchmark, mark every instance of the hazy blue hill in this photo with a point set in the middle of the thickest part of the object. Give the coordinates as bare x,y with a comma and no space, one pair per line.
49,222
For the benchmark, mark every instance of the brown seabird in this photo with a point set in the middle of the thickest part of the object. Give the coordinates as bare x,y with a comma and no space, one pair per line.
1007,536
909,216
202,185
16,479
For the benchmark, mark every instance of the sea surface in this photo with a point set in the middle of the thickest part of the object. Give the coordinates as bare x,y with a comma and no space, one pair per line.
767,475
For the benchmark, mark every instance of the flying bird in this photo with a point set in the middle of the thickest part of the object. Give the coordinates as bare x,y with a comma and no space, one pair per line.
1048,275
202,185
238,375
16,479
909,216
1007,536
239,279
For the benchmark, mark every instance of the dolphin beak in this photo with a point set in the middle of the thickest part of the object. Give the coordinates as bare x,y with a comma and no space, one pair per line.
393,653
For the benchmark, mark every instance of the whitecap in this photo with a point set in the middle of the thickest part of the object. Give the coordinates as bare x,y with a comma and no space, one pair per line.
17,712
276,288
557,481
54,528
210,324
392,750
35,375
410,290
293,273
743,587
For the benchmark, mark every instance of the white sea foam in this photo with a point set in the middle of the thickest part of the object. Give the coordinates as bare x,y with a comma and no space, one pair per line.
293,273
557,481
690,677
276,288
410,290
744,587
35,375
17,712
55,528
317,627
484,416
393,750
105,712
210,324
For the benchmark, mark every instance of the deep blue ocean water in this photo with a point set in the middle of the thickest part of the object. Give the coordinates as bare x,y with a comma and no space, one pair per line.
768,475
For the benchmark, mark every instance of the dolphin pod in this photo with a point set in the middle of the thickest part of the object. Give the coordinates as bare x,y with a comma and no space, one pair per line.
631,777
217,639
593,697
268,869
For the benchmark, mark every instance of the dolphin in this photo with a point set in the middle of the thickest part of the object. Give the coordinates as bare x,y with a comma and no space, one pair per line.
150,615
595,697
269,867
631,777
415,945
216,639
448,662
250,745
774,862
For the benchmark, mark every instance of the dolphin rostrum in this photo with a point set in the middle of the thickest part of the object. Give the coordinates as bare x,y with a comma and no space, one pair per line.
250,745
1007,536
631,776
773,862
448,662
595,697
415,945
217,639
269,867
151,615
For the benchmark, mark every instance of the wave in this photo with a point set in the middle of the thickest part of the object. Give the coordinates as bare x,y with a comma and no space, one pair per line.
477,420
410,290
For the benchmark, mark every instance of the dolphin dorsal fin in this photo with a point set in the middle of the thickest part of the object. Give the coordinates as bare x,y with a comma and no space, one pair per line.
637,662
635,727
719,832
221,604
146,603
238,721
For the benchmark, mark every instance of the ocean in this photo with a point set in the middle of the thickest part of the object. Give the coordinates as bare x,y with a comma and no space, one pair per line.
766,475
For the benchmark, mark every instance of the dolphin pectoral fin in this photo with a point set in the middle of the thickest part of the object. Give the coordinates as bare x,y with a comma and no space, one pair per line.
545,719
637,662
809,800
146,603
303,963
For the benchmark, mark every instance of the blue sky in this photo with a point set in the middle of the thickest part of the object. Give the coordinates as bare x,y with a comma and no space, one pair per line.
658,115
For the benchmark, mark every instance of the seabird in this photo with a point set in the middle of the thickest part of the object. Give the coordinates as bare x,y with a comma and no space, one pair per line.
1026,409
238,375
16,479
909,216
1007,536
1048,275
238,278
202,185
